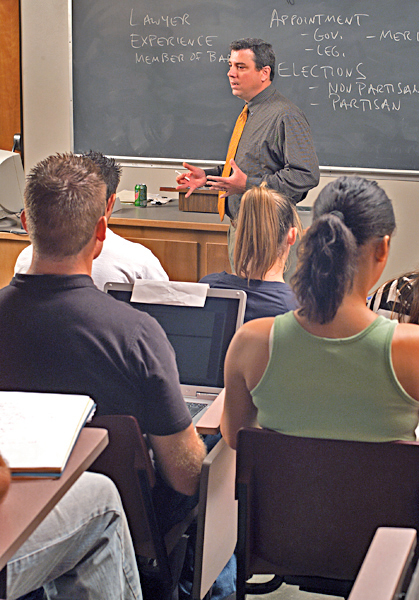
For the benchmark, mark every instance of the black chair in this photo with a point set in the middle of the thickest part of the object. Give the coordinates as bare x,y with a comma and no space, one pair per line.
309,508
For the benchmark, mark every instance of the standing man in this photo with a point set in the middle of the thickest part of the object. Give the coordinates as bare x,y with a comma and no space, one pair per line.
275,144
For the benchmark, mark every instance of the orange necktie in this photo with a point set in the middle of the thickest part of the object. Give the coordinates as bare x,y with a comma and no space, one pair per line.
231,153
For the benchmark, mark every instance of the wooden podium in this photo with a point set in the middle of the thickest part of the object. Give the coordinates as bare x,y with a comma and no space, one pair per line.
201,200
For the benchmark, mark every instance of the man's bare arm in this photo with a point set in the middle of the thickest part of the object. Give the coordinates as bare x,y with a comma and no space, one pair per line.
179,457
5,478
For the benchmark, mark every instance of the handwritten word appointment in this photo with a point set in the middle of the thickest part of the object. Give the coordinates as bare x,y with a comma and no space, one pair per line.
319,19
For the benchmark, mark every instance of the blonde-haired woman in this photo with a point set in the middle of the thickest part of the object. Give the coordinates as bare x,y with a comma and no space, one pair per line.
267,227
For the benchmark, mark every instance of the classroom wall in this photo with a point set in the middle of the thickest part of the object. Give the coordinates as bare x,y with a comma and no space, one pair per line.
47,104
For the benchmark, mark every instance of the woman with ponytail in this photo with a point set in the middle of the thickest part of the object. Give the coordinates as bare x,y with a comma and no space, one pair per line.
332,368
267,227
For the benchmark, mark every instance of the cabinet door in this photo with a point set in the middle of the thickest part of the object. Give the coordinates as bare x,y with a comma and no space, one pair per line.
179,258
217,258
9,72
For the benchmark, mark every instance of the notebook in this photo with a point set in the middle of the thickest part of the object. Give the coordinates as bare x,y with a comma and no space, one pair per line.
200,337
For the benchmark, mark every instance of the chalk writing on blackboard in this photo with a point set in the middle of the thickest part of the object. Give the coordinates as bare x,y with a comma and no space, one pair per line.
150,77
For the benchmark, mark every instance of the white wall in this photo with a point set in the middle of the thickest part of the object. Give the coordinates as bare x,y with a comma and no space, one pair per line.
47,126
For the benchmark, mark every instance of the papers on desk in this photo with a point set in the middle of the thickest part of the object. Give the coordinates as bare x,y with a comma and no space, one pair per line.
38,431
128,197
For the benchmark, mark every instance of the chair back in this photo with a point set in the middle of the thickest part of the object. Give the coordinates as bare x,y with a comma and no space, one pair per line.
310,507
127,462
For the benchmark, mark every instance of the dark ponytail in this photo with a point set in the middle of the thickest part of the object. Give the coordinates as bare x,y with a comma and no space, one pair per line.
347,213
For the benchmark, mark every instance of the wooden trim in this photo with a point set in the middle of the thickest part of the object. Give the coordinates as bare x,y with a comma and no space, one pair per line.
223,227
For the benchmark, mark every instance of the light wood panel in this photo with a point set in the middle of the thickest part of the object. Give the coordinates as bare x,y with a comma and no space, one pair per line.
217,258
178,258
9,72
187,251
10,248
210,249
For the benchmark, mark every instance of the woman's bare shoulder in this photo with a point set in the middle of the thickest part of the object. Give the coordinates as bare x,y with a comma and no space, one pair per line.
405,334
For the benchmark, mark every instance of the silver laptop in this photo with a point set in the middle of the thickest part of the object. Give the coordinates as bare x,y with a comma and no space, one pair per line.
200,337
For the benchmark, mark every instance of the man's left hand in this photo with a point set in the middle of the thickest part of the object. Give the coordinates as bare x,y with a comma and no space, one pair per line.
235,184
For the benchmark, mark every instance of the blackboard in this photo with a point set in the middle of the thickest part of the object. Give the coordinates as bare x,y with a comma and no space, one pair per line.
149,76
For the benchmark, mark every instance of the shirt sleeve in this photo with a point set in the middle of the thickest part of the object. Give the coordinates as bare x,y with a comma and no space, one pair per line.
152,269
24,260
290,145
162,409
392,299
216,171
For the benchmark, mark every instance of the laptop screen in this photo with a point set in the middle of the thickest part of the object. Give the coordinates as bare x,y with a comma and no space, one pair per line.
200,336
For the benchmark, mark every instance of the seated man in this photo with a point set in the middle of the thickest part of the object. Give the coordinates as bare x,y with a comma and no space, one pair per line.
64,335
120,261
82,549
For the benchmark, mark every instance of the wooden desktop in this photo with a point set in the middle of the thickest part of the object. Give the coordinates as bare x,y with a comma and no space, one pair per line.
28,501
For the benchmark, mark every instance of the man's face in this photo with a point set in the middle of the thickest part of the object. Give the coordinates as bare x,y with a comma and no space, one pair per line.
246,82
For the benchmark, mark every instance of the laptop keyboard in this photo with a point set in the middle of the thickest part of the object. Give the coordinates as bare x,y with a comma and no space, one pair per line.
195,407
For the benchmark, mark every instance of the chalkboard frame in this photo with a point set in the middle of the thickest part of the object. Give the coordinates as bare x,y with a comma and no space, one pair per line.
160,161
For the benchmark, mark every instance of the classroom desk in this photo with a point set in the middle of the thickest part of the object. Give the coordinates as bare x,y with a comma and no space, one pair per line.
189,245
210,421
28,501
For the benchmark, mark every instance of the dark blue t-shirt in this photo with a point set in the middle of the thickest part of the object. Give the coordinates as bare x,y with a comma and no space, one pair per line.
61,334
264,298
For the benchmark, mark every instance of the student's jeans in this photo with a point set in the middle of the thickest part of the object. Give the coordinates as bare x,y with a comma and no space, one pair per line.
82,550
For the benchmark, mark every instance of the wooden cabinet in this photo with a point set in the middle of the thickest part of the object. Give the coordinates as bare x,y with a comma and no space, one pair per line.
189,245
187,251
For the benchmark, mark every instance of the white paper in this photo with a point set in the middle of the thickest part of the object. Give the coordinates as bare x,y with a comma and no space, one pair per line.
128,197
169,292
38,431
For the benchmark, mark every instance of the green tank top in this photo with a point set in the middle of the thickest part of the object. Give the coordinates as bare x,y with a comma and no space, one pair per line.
342,388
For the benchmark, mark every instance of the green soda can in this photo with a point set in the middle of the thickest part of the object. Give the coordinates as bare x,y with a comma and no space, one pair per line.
140,195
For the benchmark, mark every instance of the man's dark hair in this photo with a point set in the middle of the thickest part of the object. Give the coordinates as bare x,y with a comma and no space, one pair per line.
263,54
111,171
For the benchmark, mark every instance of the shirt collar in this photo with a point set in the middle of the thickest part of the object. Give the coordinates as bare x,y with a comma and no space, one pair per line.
261,97
52,282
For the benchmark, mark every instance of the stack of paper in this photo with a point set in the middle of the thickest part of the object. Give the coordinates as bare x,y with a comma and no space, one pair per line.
38,431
